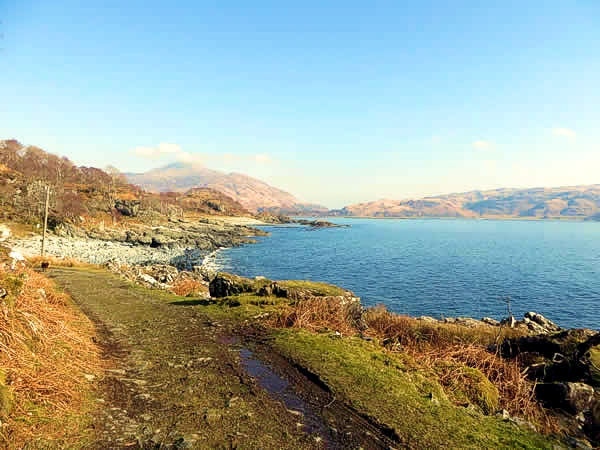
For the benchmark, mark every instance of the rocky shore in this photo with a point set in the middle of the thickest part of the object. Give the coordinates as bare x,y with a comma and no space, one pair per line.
177,243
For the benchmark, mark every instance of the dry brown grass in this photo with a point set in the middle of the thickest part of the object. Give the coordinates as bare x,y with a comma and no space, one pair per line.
447,347
440,350
318,314
46,348
186,287
54,261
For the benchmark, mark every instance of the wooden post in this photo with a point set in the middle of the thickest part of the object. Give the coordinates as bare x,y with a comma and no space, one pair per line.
45,218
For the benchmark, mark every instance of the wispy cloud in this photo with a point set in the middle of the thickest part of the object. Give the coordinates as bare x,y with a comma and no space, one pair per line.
481,145
157,152
174,152
565,132
190,158
263,158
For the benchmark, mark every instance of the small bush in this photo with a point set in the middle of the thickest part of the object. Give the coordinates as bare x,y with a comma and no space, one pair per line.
189,287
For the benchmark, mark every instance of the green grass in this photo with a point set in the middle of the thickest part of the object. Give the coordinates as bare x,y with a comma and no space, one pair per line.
469,385
391,390
316,288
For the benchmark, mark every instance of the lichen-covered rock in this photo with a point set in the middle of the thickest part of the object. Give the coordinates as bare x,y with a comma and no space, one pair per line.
593,356
468,322
427,319
546,325
161,272
490,321
565,343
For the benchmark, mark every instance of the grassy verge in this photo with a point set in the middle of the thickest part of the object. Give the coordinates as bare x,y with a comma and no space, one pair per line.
391,390
48,364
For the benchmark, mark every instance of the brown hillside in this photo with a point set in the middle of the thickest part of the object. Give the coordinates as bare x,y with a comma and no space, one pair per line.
252,194
82,193
545,203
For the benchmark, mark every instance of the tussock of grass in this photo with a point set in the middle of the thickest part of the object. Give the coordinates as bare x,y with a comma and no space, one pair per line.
319,314
46,348
36,261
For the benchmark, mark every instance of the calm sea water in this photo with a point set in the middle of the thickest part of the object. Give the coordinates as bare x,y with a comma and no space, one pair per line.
442,267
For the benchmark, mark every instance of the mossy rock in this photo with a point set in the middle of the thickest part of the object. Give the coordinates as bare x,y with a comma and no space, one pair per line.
6,397
470,385
594,359
566,343
226,284
299,289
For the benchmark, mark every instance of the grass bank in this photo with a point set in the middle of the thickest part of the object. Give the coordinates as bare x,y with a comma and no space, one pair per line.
48,365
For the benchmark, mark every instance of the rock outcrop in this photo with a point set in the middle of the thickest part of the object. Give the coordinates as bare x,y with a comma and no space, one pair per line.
160,276
565,368
225,285
574,398
532,323
130,208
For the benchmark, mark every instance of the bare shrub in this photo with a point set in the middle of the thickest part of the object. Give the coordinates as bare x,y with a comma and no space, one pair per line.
187,287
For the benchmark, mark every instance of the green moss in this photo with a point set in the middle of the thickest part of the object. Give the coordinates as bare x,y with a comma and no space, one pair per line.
400,395
6,397
313,287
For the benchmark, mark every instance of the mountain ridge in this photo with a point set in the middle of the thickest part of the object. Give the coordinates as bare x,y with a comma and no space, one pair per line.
574,202
254,194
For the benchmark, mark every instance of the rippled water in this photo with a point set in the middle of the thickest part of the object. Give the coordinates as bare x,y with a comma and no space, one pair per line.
442,267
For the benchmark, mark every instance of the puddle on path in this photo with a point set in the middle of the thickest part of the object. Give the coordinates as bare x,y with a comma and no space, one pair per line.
281,390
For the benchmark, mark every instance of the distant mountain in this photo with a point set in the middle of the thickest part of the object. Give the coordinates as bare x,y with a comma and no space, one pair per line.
543,203
253,194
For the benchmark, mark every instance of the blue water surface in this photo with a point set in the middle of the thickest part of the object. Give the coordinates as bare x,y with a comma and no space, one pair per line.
442,267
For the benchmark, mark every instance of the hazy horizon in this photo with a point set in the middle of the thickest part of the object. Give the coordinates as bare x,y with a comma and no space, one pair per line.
336,103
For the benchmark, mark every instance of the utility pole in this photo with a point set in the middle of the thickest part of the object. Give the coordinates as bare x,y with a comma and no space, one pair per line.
45,218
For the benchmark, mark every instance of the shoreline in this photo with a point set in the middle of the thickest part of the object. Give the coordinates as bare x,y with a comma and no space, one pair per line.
183,258
499,219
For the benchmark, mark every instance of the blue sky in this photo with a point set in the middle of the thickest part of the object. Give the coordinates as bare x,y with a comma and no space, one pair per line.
337,102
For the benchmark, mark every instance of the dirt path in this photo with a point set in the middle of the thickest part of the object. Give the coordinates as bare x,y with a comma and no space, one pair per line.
179,378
